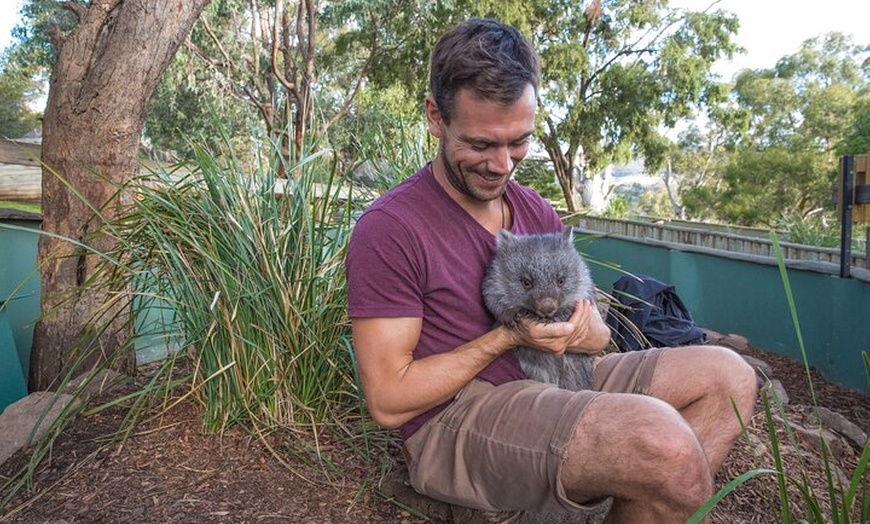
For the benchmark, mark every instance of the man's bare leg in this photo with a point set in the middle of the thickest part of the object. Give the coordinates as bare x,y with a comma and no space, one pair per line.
656,457
705,384
640,451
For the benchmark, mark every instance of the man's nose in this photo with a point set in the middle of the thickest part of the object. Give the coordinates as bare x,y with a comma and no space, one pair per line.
501,161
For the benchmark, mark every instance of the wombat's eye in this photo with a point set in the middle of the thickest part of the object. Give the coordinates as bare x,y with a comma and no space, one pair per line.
561,281
527,283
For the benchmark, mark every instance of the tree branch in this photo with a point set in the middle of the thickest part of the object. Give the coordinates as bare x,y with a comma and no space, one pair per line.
79,10
357,85
281,22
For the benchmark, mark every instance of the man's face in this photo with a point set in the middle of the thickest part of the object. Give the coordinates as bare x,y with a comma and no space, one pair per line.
484,142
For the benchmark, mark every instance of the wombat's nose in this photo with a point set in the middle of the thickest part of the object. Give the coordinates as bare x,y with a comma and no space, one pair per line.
546,307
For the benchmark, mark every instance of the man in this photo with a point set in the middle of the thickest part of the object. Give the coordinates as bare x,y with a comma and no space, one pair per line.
658,424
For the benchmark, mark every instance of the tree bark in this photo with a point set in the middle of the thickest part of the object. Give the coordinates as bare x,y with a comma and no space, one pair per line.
104,76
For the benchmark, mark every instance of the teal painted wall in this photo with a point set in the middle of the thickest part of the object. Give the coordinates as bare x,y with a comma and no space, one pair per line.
19,292
20,282
20,287
749,298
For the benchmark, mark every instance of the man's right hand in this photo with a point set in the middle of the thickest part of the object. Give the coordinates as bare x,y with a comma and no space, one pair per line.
583,332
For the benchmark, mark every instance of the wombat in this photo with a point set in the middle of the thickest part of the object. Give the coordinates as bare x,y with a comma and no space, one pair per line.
540,277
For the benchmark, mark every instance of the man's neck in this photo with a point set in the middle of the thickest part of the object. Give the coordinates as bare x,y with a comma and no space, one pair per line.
492,215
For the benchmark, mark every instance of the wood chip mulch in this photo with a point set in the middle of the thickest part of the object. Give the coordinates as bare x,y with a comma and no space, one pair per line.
171,471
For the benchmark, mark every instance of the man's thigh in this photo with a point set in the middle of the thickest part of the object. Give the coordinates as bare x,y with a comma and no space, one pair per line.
499,448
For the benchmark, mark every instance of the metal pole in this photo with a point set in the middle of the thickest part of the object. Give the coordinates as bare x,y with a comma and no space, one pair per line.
847,164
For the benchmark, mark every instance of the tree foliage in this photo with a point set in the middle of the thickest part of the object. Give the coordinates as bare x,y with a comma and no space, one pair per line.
857,138
18,90
779,137
618,72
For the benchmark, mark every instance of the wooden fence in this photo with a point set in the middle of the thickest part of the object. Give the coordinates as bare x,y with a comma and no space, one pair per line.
707,237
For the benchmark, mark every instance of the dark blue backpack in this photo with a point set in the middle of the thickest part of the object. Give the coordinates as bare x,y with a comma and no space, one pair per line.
653,309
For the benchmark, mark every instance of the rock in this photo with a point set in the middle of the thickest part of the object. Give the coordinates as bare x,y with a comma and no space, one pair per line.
840,425
18,420
88,385
738,343
593,516
395,486
713,337
775,390
761,367
816,436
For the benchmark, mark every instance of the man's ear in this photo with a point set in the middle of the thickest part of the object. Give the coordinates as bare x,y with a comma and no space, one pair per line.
433,117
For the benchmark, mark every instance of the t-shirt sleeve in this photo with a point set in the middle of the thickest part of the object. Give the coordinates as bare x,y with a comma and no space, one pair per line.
383,269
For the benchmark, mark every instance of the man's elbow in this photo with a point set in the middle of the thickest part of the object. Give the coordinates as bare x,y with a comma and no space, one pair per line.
385,419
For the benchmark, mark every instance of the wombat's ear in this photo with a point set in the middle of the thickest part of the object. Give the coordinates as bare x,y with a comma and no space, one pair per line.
504,238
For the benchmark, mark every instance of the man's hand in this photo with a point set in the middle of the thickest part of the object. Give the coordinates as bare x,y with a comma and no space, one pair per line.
583,332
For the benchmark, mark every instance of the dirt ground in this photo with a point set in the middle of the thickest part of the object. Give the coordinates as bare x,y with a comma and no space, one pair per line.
170,471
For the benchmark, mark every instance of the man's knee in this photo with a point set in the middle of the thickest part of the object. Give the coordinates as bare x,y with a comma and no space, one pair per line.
738,380
684,477
652,454
690,372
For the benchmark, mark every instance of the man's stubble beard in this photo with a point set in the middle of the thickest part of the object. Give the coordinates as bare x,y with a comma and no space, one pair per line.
458,181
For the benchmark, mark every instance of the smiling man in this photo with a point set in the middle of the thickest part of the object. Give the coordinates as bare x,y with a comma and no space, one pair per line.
657,423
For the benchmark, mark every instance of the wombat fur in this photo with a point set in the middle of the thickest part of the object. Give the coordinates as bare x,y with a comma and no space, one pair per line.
540,277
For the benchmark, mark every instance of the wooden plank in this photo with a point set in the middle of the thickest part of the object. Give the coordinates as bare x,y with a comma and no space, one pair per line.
20,153
20,183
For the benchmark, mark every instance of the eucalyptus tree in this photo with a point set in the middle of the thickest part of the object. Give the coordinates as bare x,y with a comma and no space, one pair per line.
857,138
260,54
785,128
18,90
618,72
615,72
107,58
380,42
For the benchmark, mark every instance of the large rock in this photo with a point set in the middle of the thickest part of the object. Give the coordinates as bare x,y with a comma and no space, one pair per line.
775,390
29,419
41,409
841,425
762,368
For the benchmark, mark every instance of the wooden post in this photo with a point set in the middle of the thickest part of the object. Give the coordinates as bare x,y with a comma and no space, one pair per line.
846,200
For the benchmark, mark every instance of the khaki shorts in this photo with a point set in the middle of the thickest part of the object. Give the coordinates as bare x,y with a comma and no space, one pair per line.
500,448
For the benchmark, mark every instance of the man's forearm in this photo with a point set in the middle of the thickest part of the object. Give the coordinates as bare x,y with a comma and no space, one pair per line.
422,384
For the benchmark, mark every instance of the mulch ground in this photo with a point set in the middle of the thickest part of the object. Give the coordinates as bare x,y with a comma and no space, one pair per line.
171,471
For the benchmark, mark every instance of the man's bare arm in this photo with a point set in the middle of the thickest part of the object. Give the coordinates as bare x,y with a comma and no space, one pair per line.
396,386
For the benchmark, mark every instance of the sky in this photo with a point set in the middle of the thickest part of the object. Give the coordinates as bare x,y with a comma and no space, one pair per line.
772,29
769,29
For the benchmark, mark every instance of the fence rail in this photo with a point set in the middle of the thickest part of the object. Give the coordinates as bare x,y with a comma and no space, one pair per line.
709,238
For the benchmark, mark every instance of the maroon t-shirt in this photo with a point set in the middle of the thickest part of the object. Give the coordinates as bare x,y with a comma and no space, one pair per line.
416,253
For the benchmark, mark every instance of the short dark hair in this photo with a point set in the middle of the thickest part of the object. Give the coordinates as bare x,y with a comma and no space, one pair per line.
489,57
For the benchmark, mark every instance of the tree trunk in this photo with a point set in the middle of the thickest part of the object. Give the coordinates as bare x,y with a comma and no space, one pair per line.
564,173
105,73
